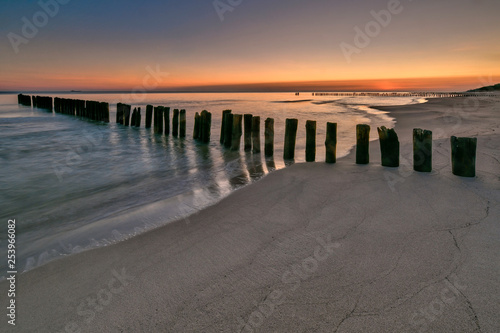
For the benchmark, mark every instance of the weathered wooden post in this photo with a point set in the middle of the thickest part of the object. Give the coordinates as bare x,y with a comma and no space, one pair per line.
269,137
158,119
149,115
463,156
362,144
256,135
310,141
119,112
132,117
208,127
155,119
228,136
82,108
237,131
331,143
105,111
94,110
290,138
205,126
389,146
223,126
182,123
126,114
422,150
138,118
166,118
175,123
247,136
196,130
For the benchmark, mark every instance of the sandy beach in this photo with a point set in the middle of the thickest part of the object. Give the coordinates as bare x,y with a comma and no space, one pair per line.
311,248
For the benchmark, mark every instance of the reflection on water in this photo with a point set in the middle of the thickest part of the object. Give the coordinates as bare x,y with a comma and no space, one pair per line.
73,184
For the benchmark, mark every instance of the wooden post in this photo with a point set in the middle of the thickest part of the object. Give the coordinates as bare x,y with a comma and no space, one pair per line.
237,131
463,156
228,136
196,131
149,115
119,112
175,123
155,119
389,146
310,141
269,137
223,126
132,120
362,144
105,111
182,123
422,150
256,135
247,136
158,119
331,143
138,118
205,126
290,138
208,126
166,120
126,114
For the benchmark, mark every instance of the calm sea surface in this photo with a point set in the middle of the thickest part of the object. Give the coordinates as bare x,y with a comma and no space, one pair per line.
74,184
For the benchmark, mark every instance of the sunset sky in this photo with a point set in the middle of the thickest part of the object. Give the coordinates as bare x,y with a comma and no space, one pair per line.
116,45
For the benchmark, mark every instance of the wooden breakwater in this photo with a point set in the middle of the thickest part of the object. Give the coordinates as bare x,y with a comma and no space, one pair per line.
236,126
463,149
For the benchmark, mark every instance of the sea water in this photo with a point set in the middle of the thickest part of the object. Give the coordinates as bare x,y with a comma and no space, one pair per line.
72,184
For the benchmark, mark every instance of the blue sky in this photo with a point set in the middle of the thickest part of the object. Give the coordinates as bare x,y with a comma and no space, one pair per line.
106,44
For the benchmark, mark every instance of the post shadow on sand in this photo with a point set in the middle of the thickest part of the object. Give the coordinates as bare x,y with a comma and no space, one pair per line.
271,165
255,166
203,157
236,170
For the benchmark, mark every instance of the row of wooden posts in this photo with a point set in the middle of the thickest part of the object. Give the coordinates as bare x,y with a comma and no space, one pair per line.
42,102
234,126
24,100
463,149
92,110
159,118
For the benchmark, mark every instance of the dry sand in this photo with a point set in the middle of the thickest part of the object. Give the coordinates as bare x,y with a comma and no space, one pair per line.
312,248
